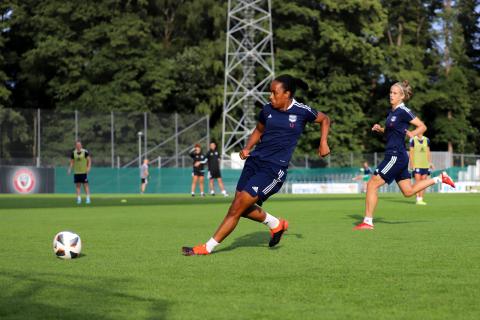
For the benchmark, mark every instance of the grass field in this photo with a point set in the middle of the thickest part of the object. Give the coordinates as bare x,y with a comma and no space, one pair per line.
419,263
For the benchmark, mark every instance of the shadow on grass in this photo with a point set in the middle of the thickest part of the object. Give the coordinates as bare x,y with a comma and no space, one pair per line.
55,296
256,239
358,219
407,201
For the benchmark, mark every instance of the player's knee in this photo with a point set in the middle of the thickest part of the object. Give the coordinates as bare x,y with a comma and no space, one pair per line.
236,208
371,185
408,193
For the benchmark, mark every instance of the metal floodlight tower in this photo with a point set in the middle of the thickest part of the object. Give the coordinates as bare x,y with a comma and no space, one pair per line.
249,68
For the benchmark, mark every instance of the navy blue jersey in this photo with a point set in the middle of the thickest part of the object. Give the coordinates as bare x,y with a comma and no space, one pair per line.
282,131
398,121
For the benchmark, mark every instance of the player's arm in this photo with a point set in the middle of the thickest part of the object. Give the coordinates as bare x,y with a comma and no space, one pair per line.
89,163
378,128
410,155
70,166
72,161
429,156
204,161
420,128
252,140
324,120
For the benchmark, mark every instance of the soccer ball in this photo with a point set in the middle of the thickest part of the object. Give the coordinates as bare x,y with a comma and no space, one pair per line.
67,245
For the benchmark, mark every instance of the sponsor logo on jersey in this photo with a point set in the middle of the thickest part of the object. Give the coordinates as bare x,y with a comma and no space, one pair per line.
269,116
23,180
255,189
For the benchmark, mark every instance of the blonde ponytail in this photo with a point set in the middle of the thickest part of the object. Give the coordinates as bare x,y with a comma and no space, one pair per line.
406,89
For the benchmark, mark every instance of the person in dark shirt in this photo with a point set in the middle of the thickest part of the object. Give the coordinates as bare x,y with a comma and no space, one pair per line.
214,169
395,164
199,161
280,124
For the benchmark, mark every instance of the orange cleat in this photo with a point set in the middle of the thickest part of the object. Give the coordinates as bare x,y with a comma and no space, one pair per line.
200,250
276,234
447,180
363,226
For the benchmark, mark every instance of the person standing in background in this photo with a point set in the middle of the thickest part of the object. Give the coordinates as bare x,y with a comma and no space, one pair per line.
199,161
365,176
144,176
81,161
420,162
214,170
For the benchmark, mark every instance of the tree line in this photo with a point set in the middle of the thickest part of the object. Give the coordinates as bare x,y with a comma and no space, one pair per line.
168,56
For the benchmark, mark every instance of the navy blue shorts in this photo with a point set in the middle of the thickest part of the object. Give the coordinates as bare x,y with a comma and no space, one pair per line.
261,178
421,171
393,167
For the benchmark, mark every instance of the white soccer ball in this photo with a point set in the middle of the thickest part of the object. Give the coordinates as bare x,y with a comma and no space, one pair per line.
67,245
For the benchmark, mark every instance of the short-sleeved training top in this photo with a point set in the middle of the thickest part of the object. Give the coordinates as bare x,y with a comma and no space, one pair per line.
200,158
282,131
213,156
398,121
80,161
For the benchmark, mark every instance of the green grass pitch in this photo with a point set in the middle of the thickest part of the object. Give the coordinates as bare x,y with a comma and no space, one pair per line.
419,262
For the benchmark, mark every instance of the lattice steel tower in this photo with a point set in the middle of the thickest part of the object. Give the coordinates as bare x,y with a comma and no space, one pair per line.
249,69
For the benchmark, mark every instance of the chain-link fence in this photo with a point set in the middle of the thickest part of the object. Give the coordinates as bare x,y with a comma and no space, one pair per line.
45,138
115,139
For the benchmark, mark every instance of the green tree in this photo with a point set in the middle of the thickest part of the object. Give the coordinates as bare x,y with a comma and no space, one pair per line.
453,101
468,17
333,45
4,27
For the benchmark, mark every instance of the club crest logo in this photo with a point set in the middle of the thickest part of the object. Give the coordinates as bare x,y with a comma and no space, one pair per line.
393,118
292,118
23,181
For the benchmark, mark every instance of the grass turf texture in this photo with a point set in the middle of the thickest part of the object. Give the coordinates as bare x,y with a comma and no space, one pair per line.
421,262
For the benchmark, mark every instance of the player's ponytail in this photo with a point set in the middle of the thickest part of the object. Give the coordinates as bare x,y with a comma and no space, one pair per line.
301,84
290,83
406,89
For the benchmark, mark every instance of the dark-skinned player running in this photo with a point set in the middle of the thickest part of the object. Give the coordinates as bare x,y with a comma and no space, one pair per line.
281,123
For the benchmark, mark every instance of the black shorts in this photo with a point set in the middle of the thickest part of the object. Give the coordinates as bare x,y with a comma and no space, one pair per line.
198,172
421,171
214,173
143,180
80,178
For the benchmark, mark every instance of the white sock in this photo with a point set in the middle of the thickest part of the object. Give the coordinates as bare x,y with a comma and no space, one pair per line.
211,244
437,179
419,198
79,198
368,220
224,192
271,221
88,197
